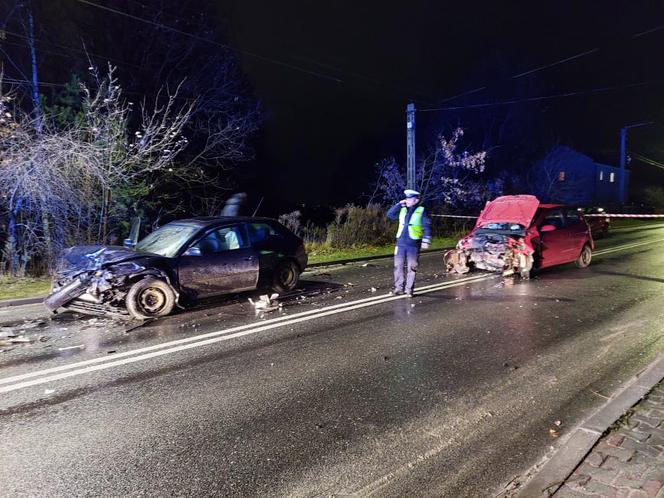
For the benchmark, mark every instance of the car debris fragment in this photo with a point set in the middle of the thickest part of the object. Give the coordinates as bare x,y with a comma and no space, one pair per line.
67,348
266,303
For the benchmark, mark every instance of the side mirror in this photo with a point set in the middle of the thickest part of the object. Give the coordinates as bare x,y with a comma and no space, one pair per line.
129,243
192,251
548,228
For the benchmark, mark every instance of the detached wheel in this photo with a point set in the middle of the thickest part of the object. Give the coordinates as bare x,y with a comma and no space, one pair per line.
584,258
286,276
150,298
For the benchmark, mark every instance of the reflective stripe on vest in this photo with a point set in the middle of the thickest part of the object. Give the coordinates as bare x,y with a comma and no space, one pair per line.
415,228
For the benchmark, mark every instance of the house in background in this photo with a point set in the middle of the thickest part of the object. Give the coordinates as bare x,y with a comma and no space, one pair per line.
570,177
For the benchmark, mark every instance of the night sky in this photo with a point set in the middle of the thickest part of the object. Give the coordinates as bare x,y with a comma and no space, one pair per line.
322,136
335,77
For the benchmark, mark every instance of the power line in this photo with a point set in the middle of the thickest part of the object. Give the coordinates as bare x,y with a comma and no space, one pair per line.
647,160
222,45
647,32
41,83
540,98
375,81
555,63
73,49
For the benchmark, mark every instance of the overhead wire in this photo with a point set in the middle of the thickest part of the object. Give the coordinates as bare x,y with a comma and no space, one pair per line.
219,44
73,49
647,160
375,81
540,98
553,64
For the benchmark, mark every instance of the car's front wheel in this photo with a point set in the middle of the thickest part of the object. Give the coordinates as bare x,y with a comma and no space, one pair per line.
286,276
584,258
150,298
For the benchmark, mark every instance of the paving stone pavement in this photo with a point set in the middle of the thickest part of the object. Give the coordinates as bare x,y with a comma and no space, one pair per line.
628,461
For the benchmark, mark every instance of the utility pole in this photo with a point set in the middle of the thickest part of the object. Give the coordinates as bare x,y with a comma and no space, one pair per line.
623,158
36,104
411,177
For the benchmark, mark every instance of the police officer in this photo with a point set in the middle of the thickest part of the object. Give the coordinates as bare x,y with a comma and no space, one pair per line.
414,233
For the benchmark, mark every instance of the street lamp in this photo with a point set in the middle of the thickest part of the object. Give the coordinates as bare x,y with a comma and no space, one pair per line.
623,157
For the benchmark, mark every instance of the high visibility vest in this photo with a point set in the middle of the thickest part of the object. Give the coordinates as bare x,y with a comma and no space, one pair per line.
415,228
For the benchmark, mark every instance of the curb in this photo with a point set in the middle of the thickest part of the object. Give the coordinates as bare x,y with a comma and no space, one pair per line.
568,457
22,301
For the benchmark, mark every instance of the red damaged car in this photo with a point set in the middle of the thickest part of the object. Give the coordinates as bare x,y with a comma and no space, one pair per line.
515,234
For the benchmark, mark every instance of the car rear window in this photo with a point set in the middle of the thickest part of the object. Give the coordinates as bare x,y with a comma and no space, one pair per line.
260,232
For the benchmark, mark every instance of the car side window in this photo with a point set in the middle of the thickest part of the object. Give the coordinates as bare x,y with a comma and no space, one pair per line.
554,218
221,239
260,232
573,217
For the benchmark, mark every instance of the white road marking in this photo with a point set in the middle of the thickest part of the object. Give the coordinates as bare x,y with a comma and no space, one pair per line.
133,356
626,246
105,362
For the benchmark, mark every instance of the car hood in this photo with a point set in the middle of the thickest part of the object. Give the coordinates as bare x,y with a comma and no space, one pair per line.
96,256
509,209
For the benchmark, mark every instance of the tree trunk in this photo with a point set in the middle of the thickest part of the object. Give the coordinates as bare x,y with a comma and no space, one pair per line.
48,241
11,246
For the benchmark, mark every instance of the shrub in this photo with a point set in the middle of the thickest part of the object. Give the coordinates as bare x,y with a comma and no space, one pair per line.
355,226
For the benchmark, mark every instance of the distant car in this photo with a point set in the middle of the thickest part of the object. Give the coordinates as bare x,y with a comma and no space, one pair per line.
515,234
180,262
599,225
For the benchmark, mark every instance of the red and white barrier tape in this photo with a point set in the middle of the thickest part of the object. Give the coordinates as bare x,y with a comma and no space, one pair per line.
454,216
608,215
603,215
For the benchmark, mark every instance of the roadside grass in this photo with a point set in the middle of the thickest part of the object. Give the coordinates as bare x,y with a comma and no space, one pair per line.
16,288
322,253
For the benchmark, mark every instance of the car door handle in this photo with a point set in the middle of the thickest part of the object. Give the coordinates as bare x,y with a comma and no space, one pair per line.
249,258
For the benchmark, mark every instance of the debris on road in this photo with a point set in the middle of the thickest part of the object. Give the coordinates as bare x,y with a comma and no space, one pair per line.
66,348
266,303
10,340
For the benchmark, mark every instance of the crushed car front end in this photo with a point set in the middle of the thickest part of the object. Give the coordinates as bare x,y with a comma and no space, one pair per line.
501,240
96,279
507,252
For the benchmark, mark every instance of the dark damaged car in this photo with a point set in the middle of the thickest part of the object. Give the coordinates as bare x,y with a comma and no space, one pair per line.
177,264
516,234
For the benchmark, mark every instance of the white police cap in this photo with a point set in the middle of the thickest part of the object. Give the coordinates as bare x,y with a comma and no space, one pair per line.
411,193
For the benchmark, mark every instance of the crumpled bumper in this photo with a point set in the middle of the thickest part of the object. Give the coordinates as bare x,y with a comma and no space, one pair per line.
66,293
511,257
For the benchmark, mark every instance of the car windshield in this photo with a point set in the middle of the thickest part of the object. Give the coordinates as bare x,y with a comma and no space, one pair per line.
167,240
507,227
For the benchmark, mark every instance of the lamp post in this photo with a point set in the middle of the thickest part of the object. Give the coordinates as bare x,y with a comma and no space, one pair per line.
623,157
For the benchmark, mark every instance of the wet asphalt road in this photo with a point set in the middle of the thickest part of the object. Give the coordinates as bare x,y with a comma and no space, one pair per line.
344,391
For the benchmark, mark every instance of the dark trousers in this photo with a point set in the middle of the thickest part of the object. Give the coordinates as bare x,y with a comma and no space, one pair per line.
408,257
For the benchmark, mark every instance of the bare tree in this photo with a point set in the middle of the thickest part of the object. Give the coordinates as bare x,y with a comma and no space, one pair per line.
448,175
57,186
